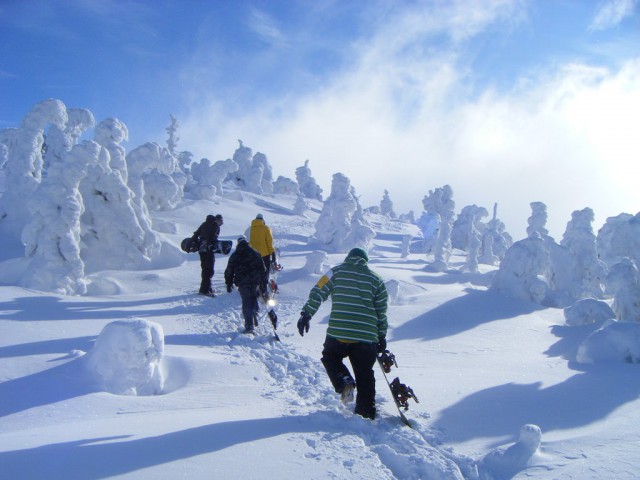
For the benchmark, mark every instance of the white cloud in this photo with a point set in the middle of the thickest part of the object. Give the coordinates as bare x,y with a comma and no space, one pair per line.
265,27
611,13
402,119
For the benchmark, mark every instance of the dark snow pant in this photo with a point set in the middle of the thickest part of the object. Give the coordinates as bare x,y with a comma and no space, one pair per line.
249,296
207,260
362,357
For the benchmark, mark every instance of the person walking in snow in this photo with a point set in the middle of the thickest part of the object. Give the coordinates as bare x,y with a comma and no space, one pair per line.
261,238
246,271
207,237
357,327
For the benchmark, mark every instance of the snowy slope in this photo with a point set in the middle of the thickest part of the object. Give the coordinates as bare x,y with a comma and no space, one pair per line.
234,406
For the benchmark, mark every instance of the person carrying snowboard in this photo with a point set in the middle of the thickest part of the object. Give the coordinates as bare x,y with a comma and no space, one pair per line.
245,270
207,236
357,327
261,238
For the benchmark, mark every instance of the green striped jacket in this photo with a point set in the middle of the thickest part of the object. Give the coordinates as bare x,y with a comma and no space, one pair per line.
359,301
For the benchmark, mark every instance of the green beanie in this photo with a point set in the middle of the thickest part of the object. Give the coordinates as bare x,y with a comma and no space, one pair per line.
358,252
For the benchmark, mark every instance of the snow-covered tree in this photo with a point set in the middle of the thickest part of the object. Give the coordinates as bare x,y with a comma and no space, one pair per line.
623,281
386,206
336,221
474,237
184,160
23,168
52,236
141,161
361,232
111,233
154,167
265,179
207,179
301,206
495,241
59,141
286,186
440,202
538,220
308,186
243,157
580,241
408,217
4,152
623,239
110,133
172,139
429,225
254,174
467,220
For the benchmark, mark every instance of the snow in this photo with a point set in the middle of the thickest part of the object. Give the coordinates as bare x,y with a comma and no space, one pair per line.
114,367
491,373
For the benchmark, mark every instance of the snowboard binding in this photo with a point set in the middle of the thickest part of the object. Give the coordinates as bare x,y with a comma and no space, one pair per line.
402,393
387,360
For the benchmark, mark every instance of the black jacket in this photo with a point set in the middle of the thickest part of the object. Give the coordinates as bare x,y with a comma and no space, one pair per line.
245,267
207,234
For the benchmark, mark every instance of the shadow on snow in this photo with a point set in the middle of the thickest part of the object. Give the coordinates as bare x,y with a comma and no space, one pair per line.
461,314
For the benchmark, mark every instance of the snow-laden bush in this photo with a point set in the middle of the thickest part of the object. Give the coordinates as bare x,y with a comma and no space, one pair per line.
506,463
521,273
613,342
568,272
125,359
393,290
587,311
316,263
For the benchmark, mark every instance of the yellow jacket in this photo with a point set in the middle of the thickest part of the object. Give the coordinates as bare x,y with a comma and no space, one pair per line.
260,237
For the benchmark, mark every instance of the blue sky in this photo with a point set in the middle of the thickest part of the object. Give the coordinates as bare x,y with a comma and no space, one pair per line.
508,101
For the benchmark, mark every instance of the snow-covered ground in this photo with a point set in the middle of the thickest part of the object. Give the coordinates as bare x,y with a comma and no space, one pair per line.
233,406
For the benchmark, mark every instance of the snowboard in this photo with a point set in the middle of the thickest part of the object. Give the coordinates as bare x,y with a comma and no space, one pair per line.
188,245
399,391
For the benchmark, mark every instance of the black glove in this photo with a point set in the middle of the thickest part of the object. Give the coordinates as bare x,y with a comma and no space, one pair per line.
381,346
229,288
303,323
273,258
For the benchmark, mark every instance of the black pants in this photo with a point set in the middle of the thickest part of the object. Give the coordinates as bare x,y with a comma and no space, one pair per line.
207,260
362,357
249,296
